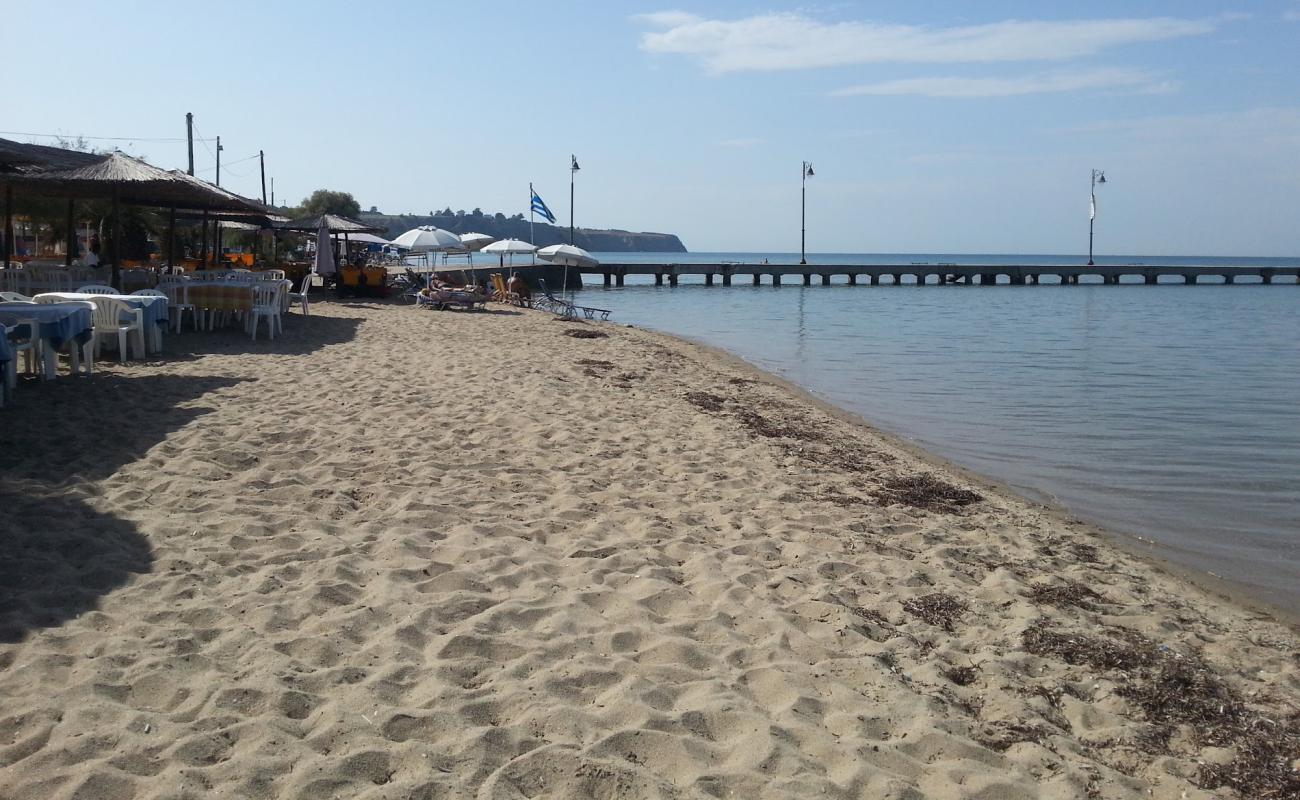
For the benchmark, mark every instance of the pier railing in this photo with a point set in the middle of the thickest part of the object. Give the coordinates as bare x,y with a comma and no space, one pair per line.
934,274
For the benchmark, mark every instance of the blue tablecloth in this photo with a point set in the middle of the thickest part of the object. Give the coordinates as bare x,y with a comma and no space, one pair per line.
155,308
59,322
6,352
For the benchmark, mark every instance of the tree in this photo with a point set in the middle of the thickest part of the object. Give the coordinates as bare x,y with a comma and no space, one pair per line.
324,201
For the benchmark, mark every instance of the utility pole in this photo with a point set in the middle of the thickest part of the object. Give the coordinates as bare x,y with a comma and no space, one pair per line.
272,190
216,225
189,137
261,157
573,169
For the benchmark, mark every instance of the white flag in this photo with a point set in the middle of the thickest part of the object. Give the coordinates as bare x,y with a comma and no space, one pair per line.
1092,209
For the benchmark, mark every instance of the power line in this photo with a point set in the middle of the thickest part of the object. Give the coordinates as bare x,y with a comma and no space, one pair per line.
95,138
225,164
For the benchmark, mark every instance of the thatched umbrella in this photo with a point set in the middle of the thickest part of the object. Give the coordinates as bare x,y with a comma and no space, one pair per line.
129,180
334,223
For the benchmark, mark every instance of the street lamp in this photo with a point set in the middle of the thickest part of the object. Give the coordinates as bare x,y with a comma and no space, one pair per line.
573,170
806,172
1097,177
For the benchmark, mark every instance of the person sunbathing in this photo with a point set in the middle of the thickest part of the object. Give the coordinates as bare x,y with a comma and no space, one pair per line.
519,287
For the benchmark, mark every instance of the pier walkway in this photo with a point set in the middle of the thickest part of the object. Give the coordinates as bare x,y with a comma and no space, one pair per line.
933,274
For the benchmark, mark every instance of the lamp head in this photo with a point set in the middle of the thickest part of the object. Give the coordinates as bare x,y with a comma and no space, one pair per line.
573,164
1101,177
808,170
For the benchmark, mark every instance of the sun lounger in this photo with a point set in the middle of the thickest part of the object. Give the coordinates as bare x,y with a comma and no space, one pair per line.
564,308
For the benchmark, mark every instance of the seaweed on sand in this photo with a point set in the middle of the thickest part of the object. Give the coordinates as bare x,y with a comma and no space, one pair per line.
705,400
1066,594
925,491
1128,651
940,609
579,333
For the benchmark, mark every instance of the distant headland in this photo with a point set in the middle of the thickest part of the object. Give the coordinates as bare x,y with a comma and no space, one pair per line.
517,227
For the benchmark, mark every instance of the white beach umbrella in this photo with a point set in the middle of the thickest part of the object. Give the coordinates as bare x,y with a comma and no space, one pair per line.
474,242
324,264
509,247
569,256
367,238
427,239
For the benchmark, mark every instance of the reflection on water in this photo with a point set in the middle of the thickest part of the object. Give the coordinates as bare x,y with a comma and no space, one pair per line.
1169,412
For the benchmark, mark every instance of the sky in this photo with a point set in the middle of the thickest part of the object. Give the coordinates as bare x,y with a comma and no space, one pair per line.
933,126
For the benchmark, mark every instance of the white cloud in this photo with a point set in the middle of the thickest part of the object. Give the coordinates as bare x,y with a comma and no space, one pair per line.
1098,79
784,41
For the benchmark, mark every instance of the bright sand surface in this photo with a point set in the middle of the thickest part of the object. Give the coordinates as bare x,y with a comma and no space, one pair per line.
400,553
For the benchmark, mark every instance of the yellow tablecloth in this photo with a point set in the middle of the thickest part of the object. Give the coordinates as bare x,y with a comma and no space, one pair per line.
221,296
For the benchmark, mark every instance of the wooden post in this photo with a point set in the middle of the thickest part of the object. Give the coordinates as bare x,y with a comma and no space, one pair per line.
826,280
618,279
117,245
776,279
203,253
757,278
659,278
807,279
171,238
71,243
708,279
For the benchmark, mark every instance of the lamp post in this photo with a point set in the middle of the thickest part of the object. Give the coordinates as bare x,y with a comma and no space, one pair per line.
573,170
805,172
1098,176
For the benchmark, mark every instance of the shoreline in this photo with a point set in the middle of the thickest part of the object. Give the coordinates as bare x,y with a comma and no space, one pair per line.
1134,544
398,552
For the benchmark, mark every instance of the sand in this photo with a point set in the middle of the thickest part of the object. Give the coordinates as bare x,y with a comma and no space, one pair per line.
400,553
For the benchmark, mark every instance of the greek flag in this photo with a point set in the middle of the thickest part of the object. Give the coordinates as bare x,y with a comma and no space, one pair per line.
540,208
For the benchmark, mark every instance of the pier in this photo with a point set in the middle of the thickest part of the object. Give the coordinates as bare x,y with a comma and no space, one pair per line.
938,274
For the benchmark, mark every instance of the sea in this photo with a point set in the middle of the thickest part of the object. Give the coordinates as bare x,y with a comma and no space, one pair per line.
1169,414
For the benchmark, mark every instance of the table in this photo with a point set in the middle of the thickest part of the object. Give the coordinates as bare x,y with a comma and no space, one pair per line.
154,308
220,295
59,323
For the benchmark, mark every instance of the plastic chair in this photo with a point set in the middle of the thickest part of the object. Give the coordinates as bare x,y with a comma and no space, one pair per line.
14,297
178,301
266,303
155,333
96,288
109,315
299,297
31,346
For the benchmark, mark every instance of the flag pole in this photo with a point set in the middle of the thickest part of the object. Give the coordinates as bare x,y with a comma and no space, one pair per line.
532,237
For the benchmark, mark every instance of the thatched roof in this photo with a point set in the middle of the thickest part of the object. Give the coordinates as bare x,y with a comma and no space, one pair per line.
134,182
335,223
19,158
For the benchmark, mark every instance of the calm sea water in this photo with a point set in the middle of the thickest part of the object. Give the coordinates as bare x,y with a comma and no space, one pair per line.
1169,412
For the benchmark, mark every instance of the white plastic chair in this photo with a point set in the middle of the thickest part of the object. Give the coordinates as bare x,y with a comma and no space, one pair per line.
14,297
110,314
299,297
154,333
178,300
96,288
266,303
31,346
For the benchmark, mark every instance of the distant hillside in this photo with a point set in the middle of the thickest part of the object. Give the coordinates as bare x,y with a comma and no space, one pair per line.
516,227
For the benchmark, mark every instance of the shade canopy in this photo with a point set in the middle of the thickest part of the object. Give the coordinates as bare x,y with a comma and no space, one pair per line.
506,246
19,158
568,255
428,239
333,222
367,238
474,242
130,180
